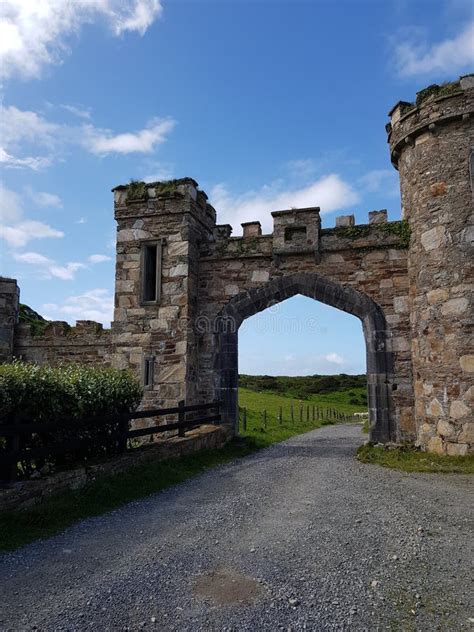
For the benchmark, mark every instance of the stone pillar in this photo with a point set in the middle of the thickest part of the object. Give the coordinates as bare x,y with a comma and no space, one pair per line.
9,306
159,229
431,145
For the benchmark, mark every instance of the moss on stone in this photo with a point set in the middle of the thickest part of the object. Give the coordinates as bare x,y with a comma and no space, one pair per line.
400,229
435,90
352,232
137,189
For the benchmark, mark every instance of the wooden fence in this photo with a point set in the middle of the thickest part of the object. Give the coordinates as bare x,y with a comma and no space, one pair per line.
302,414
12,452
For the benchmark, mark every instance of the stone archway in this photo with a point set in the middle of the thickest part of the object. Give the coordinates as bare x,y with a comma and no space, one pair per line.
376,334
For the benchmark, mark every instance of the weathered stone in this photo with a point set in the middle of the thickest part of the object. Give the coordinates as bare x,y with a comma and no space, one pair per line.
433,238
459,409
260,276
455,306
457,449
435,296
467,363
345,220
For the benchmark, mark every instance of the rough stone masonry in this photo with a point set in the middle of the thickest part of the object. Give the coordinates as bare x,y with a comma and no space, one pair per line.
184,285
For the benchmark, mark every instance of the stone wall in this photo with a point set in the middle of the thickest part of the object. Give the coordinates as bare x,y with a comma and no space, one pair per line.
59,343
9,301
370,259
409,282
431,145
24,494
179,217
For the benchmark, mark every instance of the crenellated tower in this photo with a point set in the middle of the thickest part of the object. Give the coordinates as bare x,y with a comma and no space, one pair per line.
432,146
159,230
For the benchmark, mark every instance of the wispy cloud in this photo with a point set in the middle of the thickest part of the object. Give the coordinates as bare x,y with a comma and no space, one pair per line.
26,131
416,57
96,304
22,233
104,141
98,258
46,268
44,199
80,112
16,230
380,181
330,192
35,34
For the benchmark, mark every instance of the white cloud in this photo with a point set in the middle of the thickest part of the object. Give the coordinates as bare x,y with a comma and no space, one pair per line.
415,57
46,199
20,126
81,220
103,141
21,130
96,304
35,33
334,358
11,207
329,192
67,272
15,230
47,268
31,162
77,111
381,181
21,233
98,258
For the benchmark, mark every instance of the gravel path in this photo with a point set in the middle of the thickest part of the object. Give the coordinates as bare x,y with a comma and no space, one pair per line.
298,536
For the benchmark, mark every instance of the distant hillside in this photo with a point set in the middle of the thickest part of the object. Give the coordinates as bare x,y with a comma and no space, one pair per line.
302,387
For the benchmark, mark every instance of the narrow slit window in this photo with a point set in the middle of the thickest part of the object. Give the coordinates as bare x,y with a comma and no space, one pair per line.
148,371
151,272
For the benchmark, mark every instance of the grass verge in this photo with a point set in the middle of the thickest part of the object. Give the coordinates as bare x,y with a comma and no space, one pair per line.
412,460
56,513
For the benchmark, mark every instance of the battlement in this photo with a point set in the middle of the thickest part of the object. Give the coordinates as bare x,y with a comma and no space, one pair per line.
140,199
53,328
299,232
437,105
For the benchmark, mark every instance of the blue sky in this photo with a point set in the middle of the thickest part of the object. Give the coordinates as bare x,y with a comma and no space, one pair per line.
267,104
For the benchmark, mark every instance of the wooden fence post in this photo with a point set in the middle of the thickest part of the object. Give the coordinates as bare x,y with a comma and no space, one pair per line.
301,412
181,415
8,471
265,418
280,415
244,420
292,412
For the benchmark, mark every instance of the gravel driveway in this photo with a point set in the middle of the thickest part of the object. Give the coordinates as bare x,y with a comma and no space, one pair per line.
298,536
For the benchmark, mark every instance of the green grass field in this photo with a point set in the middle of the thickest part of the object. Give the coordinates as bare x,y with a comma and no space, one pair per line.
325,404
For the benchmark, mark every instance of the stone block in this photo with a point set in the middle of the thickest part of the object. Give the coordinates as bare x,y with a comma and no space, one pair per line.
378,217
343,221
434,238
457,449
251,229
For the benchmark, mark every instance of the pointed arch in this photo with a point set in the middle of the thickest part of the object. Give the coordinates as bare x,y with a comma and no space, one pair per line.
376,333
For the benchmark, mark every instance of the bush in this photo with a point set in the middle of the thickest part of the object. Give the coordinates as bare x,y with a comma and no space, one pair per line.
38,394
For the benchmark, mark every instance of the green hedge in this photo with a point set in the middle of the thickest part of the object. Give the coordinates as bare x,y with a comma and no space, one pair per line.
34,394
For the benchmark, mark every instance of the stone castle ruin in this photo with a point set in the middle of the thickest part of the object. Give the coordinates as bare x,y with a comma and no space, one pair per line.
183,285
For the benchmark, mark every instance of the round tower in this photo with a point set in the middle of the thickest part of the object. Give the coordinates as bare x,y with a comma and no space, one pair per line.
432,146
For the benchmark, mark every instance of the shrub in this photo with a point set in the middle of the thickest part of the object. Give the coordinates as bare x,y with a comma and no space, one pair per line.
67,394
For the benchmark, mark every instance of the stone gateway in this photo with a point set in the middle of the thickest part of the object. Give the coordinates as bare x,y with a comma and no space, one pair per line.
184,285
